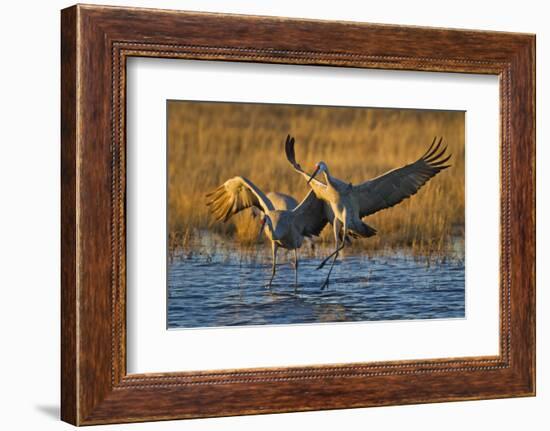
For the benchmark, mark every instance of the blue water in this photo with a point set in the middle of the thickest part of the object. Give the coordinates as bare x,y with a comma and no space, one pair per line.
226,290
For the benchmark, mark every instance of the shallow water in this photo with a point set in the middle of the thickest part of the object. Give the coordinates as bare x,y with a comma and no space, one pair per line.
227,288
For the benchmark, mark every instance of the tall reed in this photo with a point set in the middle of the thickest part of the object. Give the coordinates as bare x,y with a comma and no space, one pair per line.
211,142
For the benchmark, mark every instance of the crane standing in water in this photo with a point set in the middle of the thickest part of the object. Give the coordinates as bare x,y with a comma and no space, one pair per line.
285,227
350,203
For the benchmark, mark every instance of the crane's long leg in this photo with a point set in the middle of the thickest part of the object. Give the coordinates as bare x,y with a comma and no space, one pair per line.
326,259
274,248
295,269
336,238
337,226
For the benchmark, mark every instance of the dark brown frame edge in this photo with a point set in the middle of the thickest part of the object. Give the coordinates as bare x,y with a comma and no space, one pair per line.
95,43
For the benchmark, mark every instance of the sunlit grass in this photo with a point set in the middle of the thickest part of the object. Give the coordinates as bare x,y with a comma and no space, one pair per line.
211,142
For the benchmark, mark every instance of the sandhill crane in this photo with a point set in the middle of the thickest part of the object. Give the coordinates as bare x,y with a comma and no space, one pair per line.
285,228
350,203
282,201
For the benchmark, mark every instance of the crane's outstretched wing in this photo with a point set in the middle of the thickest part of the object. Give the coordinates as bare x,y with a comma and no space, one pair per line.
396,185
311,216
291,157
236,194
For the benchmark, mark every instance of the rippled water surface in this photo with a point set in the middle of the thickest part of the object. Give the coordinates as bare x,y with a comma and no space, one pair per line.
227,289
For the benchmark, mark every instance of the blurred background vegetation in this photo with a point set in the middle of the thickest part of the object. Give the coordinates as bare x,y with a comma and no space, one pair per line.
210,142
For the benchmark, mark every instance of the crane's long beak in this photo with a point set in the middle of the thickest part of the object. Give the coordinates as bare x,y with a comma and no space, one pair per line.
313,174
261,229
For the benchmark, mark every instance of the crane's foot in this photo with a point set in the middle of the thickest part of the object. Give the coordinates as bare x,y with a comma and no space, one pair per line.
325,284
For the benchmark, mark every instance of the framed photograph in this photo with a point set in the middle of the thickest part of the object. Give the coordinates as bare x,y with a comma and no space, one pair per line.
266,215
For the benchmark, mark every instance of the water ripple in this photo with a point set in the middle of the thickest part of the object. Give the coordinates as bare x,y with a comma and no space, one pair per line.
206,292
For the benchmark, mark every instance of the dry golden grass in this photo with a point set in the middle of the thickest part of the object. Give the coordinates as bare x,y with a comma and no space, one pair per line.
211,142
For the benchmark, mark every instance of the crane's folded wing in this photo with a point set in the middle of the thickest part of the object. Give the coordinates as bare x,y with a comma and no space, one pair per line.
311,216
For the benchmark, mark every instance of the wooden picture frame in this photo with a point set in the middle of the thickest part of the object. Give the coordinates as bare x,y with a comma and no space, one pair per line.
95,43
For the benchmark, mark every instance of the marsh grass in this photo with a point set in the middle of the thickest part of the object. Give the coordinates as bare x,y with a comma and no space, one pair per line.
211,142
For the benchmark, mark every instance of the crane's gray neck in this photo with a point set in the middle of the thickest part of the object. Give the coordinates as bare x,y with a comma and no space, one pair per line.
328,178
